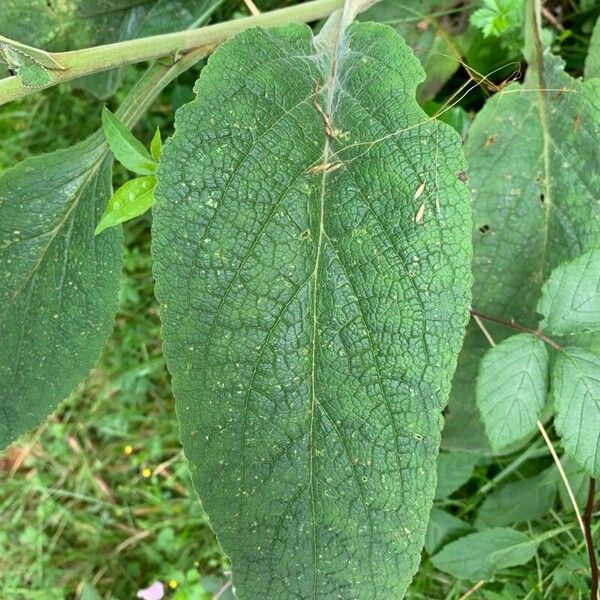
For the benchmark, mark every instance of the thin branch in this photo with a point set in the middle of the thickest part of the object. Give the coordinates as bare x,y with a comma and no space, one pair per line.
79,63
471,591
563,476
252,7
512,325
589,540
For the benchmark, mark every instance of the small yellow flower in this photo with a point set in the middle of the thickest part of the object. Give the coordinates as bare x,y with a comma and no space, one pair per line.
128,450
172,584
146,472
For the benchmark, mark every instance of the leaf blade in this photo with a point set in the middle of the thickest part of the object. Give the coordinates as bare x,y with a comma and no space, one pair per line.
127,149
511,388
520,231
131,200
570,299
58,285
576,390
277,322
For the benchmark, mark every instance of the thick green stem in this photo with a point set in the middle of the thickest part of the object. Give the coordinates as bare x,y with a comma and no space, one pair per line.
79,63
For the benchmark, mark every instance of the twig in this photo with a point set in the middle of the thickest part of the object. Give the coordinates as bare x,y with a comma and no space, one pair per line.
512,325
252,7
589,540
563,476
552,19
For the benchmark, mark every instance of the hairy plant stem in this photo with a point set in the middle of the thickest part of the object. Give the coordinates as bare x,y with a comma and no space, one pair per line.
79,63
512,325
587,522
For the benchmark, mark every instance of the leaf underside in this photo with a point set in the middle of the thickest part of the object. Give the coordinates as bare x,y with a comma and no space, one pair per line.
58,282
534,173
311,325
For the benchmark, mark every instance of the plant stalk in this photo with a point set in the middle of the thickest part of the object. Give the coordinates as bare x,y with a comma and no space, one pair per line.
79,63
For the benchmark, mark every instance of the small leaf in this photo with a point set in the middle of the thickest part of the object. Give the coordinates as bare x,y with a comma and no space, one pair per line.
33,74
29,71
518,501
129,151
156,145
454,470
442,528
511,388
131,200
570,300
576,389
480,555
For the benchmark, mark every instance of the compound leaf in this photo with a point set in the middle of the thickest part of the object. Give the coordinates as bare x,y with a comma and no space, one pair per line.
570,300
311,320
58,282
534,172
482,554
576,390
511,388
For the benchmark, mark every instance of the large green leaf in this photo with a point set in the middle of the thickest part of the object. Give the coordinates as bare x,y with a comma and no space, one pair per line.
576,389
312,245
73,24
511,388
427,33
534,173
58,282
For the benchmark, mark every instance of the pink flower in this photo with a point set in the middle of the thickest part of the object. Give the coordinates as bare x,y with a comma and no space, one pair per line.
155,592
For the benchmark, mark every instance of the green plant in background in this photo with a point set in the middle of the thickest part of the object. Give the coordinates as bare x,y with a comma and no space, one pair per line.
498,17
312,246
